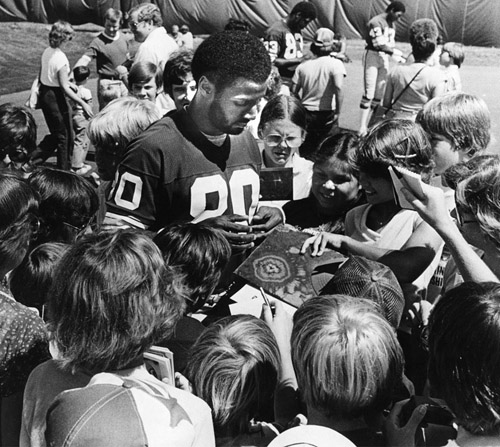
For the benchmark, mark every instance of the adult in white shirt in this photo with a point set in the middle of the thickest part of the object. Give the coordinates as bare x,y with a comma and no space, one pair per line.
146,23
54,89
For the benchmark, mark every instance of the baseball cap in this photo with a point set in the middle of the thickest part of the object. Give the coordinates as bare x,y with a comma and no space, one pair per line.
324,38
116,414
363,278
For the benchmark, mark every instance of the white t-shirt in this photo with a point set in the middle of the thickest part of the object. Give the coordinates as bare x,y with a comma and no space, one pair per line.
53,59
393,235
157,48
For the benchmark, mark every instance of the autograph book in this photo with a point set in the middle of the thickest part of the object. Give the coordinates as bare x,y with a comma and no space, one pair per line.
277,266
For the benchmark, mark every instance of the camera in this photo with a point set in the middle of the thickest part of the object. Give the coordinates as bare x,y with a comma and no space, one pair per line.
436,414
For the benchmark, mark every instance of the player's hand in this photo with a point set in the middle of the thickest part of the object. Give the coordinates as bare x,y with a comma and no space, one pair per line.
396,435
431,205
320,242
236,230
266,218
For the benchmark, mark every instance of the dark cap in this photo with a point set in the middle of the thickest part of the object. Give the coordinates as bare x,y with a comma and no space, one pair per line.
363,278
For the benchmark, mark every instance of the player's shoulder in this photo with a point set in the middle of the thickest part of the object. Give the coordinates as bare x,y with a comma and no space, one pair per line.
158,141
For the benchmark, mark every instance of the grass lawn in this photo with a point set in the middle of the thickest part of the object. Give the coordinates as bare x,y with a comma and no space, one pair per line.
24,42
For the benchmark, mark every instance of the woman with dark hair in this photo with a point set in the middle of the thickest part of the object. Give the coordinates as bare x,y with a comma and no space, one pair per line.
409,87
282,129
68,204
55,87
23,339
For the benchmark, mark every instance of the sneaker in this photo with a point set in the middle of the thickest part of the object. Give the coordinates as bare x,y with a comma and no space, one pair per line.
82,170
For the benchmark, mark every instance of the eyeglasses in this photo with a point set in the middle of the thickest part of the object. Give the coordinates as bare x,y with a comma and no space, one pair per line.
276,140
133,25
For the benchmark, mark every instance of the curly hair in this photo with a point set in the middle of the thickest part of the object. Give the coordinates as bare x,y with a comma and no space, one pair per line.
306,9
60,32
396,142
112,298
227,56
462,118
17,132
464,358
148,12
424,35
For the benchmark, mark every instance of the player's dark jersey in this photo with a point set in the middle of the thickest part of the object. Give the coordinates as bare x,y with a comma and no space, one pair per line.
172,172
281,42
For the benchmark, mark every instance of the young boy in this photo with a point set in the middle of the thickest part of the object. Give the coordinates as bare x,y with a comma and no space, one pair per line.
451,59
145,82
178,80
81,122
458,125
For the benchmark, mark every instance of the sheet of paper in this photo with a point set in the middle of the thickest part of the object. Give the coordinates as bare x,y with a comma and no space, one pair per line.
248,300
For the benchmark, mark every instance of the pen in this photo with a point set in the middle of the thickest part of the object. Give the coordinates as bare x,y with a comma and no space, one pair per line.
266,299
